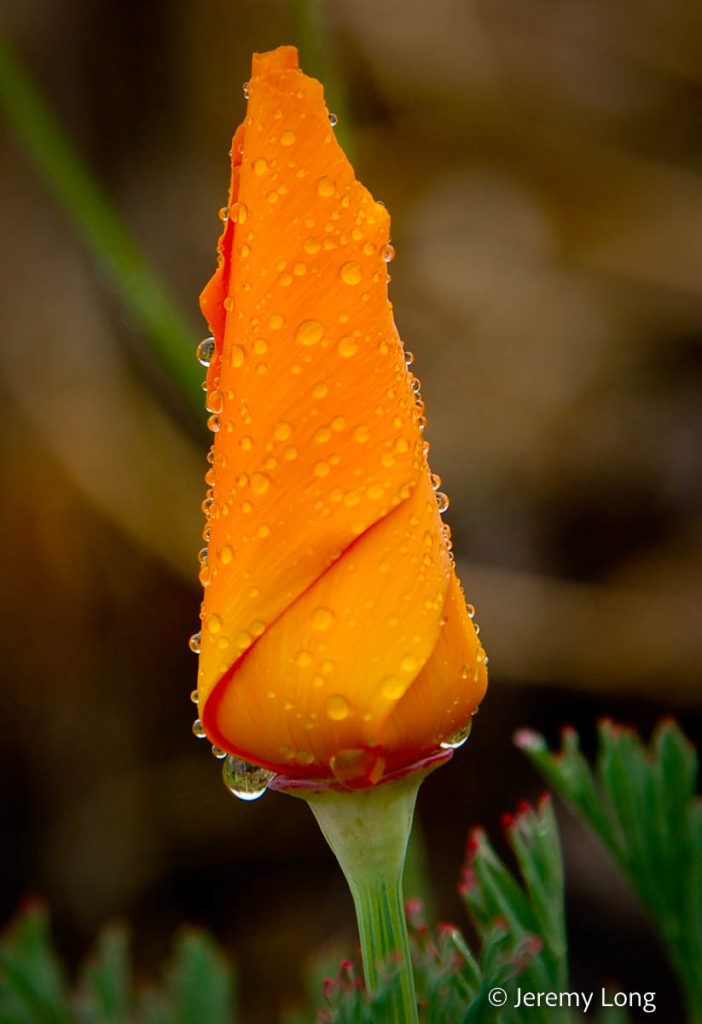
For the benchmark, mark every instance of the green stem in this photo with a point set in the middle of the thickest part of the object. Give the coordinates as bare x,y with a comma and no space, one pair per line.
102,230
368,831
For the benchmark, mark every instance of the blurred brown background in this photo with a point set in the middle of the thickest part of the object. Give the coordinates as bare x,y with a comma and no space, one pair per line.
539,158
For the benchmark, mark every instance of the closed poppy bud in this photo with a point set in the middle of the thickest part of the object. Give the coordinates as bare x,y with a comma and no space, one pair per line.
335,640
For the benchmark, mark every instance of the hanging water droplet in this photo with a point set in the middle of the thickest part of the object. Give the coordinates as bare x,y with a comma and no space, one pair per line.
213,423
435,481
246,89
194,696
214,401
409,358
202,556
458,738
205,351
223,214
218,752
471,611
199,729
442,501
333,120
389,253
194,645
247,781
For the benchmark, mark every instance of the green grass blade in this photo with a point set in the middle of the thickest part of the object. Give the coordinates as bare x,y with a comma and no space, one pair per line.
165,327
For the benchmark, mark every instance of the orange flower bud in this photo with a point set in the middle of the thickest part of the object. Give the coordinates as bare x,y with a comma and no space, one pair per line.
335,640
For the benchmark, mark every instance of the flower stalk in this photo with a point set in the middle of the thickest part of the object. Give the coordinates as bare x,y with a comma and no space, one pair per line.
368,831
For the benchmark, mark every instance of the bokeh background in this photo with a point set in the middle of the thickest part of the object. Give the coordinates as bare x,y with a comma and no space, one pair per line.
540,160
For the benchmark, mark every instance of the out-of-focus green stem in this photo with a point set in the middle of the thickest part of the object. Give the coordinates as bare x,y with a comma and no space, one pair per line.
312,36
108,240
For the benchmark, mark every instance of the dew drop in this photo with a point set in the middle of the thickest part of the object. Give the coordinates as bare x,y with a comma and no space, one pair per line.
237,356
409,358
213,623
309,332
322,619
246,89
350,273
214,401
199,729
218,752
259,483
435,481
312,246
337,707
361,434
458,738
357,768
333,120
244,780
205,351
202,556
347,347
442,501
194,696
326,187
471,611
321,469
287,137
239,213
259,166
392,688
194,642
213,423
389,253
409,663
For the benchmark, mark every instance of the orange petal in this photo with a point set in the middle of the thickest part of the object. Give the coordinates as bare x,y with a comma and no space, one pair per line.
320,496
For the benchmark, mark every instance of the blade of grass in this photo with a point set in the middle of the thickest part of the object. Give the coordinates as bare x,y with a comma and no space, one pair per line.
103,232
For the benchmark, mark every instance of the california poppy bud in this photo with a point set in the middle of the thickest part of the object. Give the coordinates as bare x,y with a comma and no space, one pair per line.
335,640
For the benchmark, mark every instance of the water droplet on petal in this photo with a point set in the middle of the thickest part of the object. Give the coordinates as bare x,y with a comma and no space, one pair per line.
357,768
205,351
259,483
350,273
458,738
392,688
337,707
322,619
214,401
213,424
199,729
347,347
435,481
247,781
260,165
194,696
246,89
213,623
389,253
409,358
471,611
442,501
194,642
333,120
326,187
287,137
218,752
309,332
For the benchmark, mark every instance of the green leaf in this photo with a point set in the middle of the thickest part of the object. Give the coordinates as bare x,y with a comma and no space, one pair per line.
200,983
641,803
104,988
32,986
